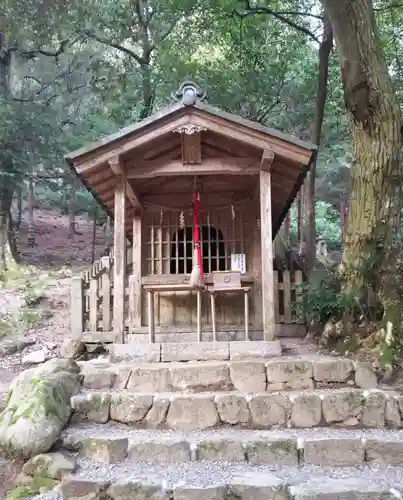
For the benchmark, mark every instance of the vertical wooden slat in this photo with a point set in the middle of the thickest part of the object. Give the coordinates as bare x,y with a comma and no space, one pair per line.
160,243
76,307
209,243
177,246
276,293
225,229
106,296
287,297
269,330
298,280
152,246
119,267
93,316
185,259
242,245
135,278
217,243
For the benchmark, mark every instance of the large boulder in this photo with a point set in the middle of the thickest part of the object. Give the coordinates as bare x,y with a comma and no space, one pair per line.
38,407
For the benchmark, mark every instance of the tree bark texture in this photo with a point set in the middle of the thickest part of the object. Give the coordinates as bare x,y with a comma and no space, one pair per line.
370,264
321,94
31,231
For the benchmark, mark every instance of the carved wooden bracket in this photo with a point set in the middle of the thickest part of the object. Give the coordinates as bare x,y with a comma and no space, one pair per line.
189,129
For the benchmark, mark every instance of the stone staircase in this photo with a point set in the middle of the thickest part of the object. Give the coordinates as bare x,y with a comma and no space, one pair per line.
232,421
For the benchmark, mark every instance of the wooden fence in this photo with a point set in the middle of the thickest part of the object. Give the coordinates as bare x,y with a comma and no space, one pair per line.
92,300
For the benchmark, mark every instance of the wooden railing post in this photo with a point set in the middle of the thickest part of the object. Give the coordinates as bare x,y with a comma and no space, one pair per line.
269,324
135,278
77,307
119,267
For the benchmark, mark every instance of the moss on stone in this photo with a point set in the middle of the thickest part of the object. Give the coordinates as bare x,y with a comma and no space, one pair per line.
39,484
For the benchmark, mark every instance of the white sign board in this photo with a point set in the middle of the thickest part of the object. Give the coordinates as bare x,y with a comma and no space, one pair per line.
238,262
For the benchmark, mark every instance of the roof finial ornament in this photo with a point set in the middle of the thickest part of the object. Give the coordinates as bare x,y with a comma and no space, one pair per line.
189,94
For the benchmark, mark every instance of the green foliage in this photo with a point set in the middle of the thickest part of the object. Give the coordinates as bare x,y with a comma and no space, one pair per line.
323,297
37,485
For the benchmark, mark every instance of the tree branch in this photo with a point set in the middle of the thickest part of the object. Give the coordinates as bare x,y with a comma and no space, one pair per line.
395,5
249,11
31,54
116,46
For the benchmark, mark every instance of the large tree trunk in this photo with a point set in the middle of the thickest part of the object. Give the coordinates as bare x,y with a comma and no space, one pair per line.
6,197
31,230
369,262
321,94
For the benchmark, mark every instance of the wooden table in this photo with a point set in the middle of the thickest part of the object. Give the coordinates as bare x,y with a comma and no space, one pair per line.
152,289
214,290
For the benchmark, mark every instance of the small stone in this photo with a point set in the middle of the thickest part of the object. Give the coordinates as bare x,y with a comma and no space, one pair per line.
248,376
146,353
94,406
201,493
149,379
131,490
374,410
342,405
192,412
270,410
384,451
343,489
72,348
306,410
98,379
331,452
197,378
257,349
392,413
34,358
278,452
158,412
257,486
365,376
288,371
51,465
73,488
223,449
130,408
105,450
333,370
195,351
13,345
160,452
232,408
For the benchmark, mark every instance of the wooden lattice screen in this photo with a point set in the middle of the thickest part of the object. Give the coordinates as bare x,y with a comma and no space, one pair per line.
169,241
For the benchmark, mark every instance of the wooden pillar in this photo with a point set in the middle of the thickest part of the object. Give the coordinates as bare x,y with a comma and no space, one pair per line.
119,268
269,327
76,307
135,278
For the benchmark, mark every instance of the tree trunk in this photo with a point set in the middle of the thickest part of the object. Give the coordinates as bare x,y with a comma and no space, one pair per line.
31,231
6,197
72,210
369,261
94,235
323,71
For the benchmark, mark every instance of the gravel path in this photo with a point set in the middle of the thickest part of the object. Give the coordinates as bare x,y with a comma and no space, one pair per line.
112,430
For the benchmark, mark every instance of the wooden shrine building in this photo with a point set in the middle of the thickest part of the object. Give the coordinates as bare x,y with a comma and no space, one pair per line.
144,176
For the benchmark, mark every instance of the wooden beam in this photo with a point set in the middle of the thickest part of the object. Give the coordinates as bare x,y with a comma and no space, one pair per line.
267,160
267,255
117,168
124,145
135,278
119,268
209,166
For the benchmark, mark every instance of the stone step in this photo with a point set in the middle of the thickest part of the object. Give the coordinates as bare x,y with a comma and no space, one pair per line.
109,443
255,375
294,409
223,481
195,351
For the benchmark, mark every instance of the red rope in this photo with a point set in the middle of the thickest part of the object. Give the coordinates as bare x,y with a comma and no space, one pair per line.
196,235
